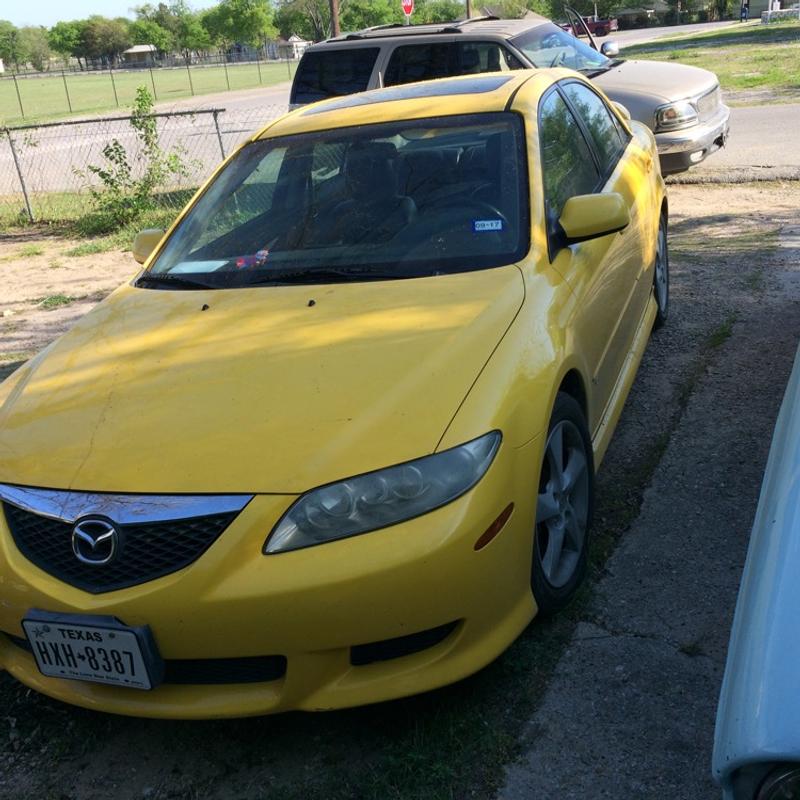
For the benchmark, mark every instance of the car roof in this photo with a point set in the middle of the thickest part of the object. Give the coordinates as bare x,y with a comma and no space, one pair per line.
505,28
464,94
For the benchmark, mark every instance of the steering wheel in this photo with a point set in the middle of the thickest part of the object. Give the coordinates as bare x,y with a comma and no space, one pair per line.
559,59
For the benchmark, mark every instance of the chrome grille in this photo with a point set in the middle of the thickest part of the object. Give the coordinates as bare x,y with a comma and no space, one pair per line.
708,104
147,550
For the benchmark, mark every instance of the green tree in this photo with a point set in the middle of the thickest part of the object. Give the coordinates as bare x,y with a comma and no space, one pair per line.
12,49
191,36
65,39
239,22
36,47
438,11
310,19
105,39
358,14
145,31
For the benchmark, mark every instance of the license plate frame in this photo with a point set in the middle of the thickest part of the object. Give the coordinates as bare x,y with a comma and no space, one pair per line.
93,649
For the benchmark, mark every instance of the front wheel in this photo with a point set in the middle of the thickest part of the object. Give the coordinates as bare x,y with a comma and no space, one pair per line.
661,275
563,509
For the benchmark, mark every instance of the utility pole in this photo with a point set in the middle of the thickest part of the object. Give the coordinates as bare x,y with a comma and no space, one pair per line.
469,9
334,4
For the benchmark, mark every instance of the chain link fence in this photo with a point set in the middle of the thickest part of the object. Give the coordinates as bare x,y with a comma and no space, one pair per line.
35,97
45,170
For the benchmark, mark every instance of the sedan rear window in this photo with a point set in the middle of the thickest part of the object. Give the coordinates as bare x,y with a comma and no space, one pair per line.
331,73
395,200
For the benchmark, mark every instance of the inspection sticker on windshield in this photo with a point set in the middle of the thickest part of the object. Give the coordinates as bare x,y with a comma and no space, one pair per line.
482,225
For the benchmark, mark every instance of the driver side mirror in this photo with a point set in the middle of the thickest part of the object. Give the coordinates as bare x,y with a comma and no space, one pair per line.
590,216
145,242
623,110
610,49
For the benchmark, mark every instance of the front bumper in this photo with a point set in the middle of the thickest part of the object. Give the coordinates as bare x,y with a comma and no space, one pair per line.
310,606
685,148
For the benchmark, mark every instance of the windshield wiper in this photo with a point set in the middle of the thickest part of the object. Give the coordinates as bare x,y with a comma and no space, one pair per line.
329,275
172,281
591,73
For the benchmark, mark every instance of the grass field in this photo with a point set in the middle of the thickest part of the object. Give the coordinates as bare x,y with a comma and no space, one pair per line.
46,97
746,57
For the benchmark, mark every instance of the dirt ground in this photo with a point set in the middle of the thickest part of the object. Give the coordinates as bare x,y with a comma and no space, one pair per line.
729,308
44,288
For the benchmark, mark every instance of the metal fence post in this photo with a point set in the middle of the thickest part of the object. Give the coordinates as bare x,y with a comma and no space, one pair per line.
20,175
66,90
219,135
113,86
153,81
189,73
19,97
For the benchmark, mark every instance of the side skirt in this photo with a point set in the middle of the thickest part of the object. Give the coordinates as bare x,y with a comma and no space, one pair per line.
605,429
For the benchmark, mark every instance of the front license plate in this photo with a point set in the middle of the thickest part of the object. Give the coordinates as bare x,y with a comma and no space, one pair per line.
96,649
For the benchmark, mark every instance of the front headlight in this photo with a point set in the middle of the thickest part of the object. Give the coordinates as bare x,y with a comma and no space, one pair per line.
384,497
672,116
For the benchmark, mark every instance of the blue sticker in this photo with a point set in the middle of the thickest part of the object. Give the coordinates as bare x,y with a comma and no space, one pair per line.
483,225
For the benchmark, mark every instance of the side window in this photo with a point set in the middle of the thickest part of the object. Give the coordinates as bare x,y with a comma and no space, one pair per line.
419,62
331,73
474,57
425,62
568,168
608,136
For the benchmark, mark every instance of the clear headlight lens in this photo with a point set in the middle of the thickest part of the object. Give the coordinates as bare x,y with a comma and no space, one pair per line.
382,498
672,116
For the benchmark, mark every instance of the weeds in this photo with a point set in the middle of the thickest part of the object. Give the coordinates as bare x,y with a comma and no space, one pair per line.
128,184
55,301
89,248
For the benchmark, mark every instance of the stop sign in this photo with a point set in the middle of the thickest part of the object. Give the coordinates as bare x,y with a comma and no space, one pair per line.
408,7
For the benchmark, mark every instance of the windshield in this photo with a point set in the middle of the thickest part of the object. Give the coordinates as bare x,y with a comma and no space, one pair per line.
395,200
550,46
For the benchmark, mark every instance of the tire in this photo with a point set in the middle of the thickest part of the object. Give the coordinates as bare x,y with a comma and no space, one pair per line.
661,275
563,515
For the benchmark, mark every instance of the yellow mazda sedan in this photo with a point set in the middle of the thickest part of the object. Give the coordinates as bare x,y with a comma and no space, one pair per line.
336,442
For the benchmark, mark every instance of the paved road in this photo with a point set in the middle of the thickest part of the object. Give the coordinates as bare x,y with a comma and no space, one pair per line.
763,143
639,36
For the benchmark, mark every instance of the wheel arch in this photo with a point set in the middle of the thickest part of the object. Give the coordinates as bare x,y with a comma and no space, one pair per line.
573,384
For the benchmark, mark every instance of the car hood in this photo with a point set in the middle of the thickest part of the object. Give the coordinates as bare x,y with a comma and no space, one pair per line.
642,86
270,389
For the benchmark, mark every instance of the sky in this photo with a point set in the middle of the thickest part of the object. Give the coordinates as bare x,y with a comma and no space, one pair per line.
48,12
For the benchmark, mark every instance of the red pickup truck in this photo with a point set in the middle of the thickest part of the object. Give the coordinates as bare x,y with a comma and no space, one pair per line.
596,26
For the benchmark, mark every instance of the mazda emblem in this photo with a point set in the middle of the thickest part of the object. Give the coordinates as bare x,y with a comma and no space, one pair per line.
94,541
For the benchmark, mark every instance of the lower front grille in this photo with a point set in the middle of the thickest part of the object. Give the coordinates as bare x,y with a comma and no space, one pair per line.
209,671
147,550
387,649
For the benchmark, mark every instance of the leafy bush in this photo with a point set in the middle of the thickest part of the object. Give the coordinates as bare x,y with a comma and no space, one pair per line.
128,185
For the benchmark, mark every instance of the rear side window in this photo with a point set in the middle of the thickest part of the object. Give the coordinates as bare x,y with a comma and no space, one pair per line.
331,73
568,168
424,62
607,135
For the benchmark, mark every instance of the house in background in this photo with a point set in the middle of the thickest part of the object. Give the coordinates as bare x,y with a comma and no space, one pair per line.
293,47
140,55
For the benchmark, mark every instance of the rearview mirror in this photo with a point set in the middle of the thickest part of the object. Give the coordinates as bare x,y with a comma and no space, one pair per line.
622,110
610,49
145,242
589,216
